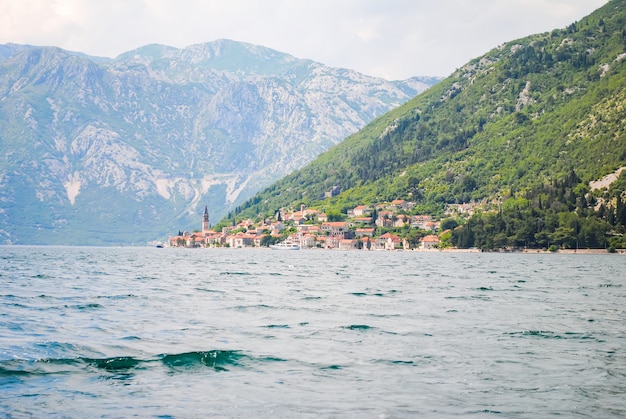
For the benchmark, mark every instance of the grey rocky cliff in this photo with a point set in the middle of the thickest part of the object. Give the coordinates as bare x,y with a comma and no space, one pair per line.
126,150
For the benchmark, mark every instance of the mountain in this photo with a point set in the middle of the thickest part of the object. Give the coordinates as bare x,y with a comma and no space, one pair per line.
537,111
127,150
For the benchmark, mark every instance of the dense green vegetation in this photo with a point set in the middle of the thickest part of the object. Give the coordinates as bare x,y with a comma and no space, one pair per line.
558,215
534,119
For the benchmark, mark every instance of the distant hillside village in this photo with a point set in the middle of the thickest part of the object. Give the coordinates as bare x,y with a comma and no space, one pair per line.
364,228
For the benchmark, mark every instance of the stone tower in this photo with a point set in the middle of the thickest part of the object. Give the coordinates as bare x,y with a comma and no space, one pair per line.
205,219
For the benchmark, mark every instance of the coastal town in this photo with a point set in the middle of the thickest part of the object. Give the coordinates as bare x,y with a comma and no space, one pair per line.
364,228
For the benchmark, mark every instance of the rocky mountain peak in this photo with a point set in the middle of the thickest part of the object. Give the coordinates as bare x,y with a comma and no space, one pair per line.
126,150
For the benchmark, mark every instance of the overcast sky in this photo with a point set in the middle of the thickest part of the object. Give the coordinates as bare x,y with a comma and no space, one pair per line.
394,39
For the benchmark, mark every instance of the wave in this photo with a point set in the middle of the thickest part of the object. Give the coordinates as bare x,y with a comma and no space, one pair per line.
217,360
210,290
395,362
547,334
366,294
358,327
88,306
331,367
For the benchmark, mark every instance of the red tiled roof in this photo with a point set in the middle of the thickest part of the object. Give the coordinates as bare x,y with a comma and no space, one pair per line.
389,236
335,223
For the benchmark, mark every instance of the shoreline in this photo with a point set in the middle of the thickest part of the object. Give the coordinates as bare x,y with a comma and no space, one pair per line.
472,250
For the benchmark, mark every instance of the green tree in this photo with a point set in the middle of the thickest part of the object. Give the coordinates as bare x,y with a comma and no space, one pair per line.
449,224
413,238
334,216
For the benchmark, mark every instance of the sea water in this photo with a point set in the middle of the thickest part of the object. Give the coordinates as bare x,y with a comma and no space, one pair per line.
146,332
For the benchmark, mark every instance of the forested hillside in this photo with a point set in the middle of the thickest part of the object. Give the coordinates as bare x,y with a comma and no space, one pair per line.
535,119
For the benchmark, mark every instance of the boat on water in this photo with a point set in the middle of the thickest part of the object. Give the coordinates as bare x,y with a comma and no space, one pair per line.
285,246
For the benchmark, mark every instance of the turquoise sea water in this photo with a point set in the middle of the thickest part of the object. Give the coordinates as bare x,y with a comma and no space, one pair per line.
121,332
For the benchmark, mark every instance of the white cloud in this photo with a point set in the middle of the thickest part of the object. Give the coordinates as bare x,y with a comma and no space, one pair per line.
392,38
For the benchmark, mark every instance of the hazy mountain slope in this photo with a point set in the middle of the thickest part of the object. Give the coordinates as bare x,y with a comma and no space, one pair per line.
129,149
527,112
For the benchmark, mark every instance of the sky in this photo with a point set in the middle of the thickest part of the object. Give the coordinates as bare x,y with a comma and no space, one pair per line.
393,39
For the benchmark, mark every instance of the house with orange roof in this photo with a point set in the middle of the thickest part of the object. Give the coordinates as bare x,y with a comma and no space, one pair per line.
315,229
297,217
389,241
307,228
466,209
361,232
308,240
384,219
175,241
432,225
419,221
241,240
400,220
331,242
401,204
194,239
309,213
247,224
277,226
261,228
429,242
335,228
214,239
361,210
358,211
186,239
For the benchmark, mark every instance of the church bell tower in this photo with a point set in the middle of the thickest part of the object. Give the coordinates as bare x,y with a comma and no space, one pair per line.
205,219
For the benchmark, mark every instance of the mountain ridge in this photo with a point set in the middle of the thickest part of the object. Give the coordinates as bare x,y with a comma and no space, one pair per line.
150,137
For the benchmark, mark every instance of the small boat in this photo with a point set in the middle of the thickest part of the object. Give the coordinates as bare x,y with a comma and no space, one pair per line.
285,246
